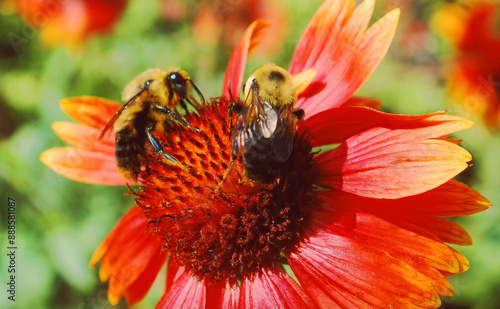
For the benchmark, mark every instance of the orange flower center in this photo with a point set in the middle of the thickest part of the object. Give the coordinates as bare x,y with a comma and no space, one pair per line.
245,226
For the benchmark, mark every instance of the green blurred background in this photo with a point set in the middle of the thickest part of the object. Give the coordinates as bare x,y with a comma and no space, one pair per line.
60,222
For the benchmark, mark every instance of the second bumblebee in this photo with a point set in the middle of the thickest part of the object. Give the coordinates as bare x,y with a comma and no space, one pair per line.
264,130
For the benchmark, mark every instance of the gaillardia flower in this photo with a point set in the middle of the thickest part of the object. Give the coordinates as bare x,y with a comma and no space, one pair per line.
358,225
474,77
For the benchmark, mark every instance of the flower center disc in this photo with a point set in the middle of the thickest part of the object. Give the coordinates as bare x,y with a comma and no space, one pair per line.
246,225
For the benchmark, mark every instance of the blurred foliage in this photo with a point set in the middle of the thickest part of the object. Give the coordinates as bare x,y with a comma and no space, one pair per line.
61,222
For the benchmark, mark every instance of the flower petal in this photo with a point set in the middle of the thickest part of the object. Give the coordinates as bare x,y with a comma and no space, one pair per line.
379,229
272,288
224,294
341,272
430,257
84,137
236,66
417,213
91,111
187,292
83,165
394,163
302,80
174,271
446,230
131,258
451,199
317,42
138,289
338,124
363,102
344,55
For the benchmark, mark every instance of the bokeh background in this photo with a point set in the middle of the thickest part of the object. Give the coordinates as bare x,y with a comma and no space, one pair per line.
48,52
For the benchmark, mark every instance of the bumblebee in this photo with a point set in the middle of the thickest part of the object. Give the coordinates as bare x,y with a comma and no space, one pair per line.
151,99
265,126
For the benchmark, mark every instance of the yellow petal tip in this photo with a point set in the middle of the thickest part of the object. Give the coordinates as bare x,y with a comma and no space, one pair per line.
302,80
113,299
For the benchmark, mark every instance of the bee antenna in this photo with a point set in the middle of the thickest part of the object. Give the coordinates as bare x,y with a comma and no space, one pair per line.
118,113
198,91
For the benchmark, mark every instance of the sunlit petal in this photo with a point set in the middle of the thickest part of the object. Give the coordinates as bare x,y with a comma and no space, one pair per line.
358,165
83,165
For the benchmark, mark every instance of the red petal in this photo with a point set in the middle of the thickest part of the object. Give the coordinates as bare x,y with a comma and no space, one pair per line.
344,55
439,229
140,287
173,273
83,165
417,213
272,289
338,124
223,294
133,219
388,163
317,42
451,199
91,111
428,256
446,230
84,137
131,258
186,292
340,272
236,66
380,230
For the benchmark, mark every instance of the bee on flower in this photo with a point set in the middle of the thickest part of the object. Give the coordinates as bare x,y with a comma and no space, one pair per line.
265,127
151,99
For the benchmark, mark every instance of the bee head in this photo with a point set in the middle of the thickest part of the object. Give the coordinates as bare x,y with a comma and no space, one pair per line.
273,85
177,81
148,83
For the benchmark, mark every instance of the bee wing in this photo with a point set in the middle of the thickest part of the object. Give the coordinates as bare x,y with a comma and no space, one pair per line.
268,126
283,142
241,132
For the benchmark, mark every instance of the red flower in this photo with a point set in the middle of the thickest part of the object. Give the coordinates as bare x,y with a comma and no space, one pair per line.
360,225
70,22
475,71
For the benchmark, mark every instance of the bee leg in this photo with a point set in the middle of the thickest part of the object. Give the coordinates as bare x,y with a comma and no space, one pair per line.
176,116
158,147
226,173
233,107
184,105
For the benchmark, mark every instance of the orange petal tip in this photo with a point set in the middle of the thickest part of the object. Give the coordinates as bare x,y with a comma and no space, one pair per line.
98,254
89,110
233,76
113,299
